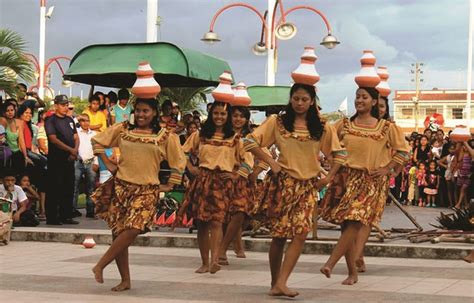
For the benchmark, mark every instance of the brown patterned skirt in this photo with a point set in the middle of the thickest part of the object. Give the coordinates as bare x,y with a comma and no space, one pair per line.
208,196
242,199
287,205
131,206
354,195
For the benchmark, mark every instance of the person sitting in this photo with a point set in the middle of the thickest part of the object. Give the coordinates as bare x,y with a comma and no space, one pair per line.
22,215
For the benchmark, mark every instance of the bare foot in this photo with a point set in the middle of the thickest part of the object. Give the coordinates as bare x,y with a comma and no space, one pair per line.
350,280
223,261
325,270
98,274
240,254
124,285
214,268
360,264
279,291
203,269
469,258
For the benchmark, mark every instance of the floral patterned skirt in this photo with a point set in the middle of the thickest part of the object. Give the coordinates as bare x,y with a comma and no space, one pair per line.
242,199
208,196
286,205
355,196
131,206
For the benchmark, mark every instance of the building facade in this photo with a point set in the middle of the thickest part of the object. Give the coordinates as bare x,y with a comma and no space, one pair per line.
450,103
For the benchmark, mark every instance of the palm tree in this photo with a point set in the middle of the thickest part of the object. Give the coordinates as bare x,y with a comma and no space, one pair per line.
13,62
188,98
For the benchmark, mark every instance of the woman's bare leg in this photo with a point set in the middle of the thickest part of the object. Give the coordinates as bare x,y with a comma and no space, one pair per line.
362,237
231,232
345,242
216,239
292,255
204,246
124,269
275,256
122,242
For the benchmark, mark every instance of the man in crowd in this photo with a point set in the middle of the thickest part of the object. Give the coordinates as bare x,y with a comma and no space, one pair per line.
22,94
63,149
122,110
98,121
83,165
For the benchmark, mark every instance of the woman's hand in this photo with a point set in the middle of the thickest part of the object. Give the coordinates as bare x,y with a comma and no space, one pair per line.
193,170
379,172
275,167
321,183
233,176
28,161
166,187
111,167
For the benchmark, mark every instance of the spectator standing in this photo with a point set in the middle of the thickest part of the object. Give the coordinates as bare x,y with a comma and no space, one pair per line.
123,109
423,151
98,120
84,166
63,146
432,184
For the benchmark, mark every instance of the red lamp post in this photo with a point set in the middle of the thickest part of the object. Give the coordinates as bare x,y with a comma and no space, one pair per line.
45,70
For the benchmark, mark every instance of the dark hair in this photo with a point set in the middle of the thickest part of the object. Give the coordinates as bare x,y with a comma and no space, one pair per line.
427,129
189,124
123,93
246,113
313,121
155,123
440,130
208,129
94,97
374,93
97,94
22,85
21,110
387,112
8,102
112,96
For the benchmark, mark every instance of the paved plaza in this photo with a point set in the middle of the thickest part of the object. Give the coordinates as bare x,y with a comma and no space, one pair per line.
58,272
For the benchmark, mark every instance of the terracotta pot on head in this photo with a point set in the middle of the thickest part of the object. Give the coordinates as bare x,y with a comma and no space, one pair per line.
306,72
367,76
146,86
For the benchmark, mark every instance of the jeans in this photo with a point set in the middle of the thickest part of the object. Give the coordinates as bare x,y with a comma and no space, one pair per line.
85,170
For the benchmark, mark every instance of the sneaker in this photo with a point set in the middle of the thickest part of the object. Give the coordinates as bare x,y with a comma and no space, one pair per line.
69,222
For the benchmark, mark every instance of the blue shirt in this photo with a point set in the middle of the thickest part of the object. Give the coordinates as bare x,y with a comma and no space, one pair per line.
108,152
122,113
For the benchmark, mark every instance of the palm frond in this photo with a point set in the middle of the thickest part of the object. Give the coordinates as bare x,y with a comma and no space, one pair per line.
11,40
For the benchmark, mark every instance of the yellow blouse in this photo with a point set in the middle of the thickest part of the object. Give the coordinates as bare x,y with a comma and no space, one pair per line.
299,153
219,153
372,148
141,154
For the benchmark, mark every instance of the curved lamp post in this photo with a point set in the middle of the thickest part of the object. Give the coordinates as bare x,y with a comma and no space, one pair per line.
271,31
42,72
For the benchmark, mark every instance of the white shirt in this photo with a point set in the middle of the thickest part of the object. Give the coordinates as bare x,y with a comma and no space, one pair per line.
85,145
18,196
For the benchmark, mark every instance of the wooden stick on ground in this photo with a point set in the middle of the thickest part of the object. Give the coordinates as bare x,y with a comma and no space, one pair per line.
400,206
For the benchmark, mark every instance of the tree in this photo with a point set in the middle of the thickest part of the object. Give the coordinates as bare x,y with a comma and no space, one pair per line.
13,62
188,98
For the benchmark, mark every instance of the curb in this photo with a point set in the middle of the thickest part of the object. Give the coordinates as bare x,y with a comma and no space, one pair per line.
179,240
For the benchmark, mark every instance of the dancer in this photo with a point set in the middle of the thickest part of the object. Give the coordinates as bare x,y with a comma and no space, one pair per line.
241,203
290,193
357,197
219,150
132,207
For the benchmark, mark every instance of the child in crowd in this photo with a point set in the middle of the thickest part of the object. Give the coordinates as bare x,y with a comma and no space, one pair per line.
432,184
447,162
413,185
31,194
405,184
421,181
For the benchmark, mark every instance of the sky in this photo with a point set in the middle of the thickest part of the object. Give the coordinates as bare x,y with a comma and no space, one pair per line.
400,32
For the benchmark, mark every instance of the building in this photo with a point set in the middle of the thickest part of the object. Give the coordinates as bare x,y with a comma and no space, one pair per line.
450,103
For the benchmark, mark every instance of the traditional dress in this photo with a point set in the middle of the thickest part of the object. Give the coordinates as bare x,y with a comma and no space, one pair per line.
354,195
209,194
242,200
289,197
136,188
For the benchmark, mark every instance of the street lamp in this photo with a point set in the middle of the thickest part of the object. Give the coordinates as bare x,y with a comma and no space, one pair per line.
272,30
42,44
42,70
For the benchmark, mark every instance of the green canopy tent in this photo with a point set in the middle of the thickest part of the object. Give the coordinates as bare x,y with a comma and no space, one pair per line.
263,96
114,65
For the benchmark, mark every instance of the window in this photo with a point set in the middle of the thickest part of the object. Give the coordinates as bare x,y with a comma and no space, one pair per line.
431,111
456,113
407,113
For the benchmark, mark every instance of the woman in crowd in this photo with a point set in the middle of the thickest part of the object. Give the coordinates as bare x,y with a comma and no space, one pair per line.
356,199
134,196
423,151
290,193
219,150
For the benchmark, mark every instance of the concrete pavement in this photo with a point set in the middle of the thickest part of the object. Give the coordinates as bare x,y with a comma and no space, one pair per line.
58,272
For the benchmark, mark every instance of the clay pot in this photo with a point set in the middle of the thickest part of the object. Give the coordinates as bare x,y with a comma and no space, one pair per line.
146,86
383,87
241,97
306,72
88,242
367,76
460,134
223,92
